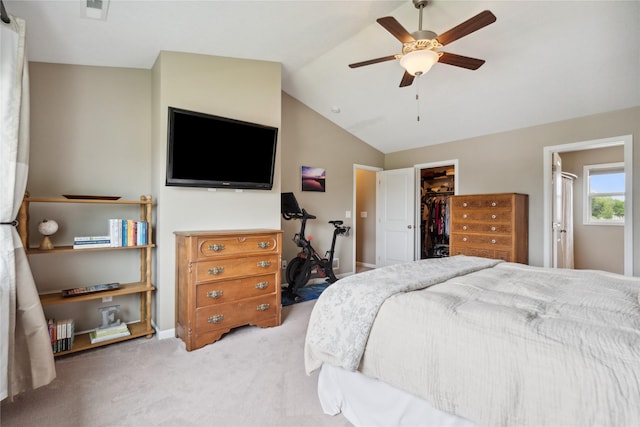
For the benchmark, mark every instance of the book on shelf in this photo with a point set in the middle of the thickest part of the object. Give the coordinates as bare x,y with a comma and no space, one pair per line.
96,339
61,333
90,238
111,330
92,245
128,232
115,232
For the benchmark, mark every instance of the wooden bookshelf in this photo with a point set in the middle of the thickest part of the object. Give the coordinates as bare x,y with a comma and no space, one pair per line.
143,287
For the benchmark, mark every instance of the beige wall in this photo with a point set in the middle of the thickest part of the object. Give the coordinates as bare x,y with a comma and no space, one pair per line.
90,134
599,247
241,89
513,162
310,140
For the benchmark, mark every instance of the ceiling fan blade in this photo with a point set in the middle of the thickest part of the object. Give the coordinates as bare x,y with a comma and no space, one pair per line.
394,27
407,79
372,61
461,61
479,21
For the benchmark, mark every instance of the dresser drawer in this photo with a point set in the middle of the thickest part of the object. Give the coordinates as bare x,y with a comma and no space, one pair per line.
236,267
249,311
485,240
220,292
493,201
488,216
222,246
483,252
479,227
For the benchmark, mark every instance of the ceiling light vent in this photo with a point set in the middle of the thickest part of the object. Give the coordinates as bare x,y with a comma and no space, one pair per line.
94,9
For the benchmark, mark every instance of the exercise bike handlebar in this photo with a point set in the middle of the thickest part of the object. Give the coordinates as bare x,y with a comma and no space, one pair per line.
298,215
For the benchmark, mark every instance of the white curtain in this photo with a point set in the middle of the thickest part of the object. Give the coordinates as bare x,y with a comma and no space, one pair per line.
26,358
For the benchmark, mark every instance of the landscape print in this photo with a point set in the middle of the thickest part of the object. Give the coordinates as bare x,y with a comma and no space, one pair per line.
313,179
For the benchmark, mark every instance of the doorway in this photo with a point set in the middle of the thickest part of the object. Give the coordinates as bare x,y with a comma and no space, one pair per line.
435,183
548,194
364,217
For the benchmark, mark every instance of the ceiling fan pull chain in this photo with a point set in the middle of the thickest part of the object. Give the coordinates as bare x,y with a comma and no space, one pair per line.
418,99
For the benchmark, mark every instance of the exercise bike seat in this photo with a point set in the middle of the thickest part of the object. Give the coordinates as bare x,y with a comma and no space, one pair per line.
336,222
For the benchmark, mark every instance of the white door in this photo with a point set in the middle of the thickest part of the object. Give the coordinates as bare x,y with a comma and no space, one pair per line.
556,209
395,199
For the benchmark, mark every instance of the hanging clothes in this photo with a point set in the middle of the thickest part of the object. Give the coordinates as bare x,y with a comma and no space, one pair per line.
435,225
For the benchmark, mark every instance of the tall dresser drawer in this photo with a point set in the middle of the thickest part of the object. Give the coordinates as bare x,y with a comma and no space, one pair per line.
482,215
235,267
497,201
483,240
487,228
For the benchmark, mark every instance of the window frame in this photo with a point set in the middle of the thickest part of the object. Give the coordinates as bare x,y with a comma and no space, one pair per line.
588,170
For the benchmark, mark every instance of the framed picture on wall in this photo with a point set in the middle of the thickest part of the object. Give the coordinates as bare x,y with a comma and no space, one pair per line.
313,178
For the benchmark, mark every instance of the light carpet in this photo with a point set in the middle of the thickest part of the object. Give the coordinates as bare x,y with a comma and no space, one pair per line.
251,377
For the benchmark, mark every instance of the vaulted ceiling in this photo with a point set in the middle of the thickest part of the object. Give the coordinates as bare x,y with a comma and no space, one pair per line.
545,60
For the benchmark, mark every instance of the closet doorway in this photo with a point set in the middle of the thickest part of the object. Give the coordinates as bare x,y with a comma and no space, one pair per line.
435,184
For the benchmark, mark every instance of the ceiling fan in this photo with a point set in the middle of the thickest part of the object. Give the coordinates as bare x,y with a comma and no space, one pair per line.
419,48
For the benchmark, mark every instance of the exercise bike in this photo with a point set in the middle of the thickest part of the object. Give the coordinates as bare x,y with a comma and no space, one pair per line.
299,269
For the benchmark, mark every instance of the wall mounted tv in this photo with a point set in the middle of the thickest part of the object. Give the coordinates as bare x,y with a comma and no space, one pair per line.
204,150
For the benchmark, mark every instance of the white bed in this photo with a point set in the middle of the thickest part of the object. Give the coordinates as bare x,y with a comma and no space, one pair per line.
472,341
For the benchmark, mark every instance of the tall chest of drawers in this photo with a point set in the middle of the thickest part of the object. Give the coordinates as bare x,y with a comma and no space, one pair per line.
226,279
490,226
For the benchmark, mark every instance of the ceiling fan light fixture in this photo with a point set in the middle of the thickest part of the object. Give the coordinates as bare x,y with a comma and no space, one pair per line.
419,62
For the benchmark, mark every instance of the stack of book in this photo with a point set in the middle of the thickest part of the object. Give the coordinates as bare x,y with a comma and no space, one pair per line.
122,232
61,333
128,232
87,242
109,333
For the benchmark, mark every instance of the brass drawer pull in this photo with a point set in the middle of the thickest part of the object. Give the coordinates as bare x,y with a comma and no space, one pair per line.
493,217
464,239
493,204
465,204
264,264
263,307
464,216
216,247
214,294
264,245
216,319
216,270
493,240
262,285
464,227
493,229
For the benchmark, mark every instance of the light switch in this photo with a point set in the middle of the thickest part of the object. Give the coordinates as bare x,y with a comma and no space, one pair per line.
347,214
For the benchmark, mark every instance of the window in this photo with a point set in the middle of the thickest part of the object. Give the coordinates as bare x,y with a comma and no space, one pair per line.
604,194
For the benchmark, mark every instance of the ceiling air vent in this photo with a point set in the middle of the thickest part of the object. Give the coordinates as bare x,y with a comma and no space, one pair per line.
94,9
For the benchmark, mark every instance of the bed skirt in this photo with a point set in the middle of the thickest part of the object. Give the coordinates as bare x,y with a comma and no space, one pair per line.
365,401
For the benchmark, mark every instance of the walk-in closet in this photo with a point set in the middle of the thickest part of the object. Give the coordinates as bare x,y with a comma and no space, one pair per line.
437,185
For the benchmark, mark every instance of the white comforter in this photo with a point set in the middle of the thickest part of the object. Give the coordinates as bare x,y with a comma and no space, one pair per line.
504,345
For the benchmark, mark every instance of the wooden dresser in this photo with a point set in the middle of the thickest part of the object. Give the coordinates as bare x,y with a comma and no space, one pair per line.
226,279
490,226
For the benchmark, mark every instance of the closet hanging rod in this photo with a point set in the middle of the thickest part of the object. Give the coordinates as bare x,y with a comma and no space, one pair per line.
3,13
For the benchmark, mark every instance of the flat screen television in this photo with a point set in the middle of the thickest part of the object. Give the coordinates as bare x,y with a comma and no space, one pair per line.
210,151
